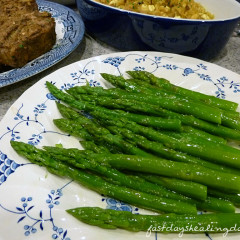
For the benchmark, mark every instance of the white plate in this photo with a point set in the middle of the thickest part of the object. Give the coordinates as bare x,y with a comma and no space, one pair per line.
32,201
70,31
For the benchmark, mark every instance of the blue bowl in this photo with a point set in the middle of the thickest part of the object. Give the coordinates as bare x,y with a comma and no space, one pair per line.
130,31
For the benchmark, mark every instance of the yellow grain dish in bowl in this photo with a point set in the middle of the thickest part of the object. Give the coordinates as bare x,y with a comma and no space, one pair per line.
188,9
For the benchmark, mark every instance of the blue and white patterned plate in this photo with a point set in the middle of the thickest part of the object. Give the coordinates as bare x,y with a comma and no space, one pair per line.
70,31
33,201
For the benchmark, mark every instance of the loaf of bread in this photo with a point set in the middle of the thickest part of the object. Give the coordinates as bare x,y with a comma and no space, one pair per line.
25,33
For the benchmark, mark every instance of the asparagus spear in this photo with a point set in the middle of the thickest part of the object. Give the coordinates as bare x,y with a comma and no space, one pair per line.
63,109
200,111
190,189
218,153
155,90
163,83
231,122
177,185
230,119
167,223
187,188
196,173
152,97
134,103
188,120
197,132
118,92
211,178
73,129
158,122
128,148
81,159
160,150
104,135
41,158
90,145
94,131
185,119
97,184
227,119
188,131
78,159
234,198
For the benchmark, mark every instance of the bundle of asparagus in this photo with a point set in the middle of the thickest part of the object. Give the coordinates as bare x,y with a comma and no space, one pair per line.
150,144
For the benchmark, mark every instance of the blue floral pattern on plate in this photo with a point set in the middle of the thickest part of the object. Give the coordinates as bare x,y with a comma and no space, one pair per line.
69,29
118,205
34,200
34,223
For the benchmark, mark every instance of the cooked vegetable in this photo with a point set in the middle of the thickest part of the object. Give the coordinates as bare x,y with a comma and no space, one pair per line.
165,160
99,185
196,109
168,223
160,166
78,159
234,198
90,145
149,120
166,85
190,131
220,153
163,151
195,146
188,120
219,180
154,96
54,158
174,124
174,103
188,188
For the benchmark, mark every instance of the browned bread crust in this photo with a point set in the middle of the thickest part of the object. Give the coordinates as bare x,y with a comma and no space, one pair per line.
26,33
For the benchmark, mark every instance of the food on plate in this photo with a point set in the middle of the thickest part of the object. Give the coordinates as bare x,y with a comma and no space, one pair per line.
26,32
167,8
19,6
156,157
111,219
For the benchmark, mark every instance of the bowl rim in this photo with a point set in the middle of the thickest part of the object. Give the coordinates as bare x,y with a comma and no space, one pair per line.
162,18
